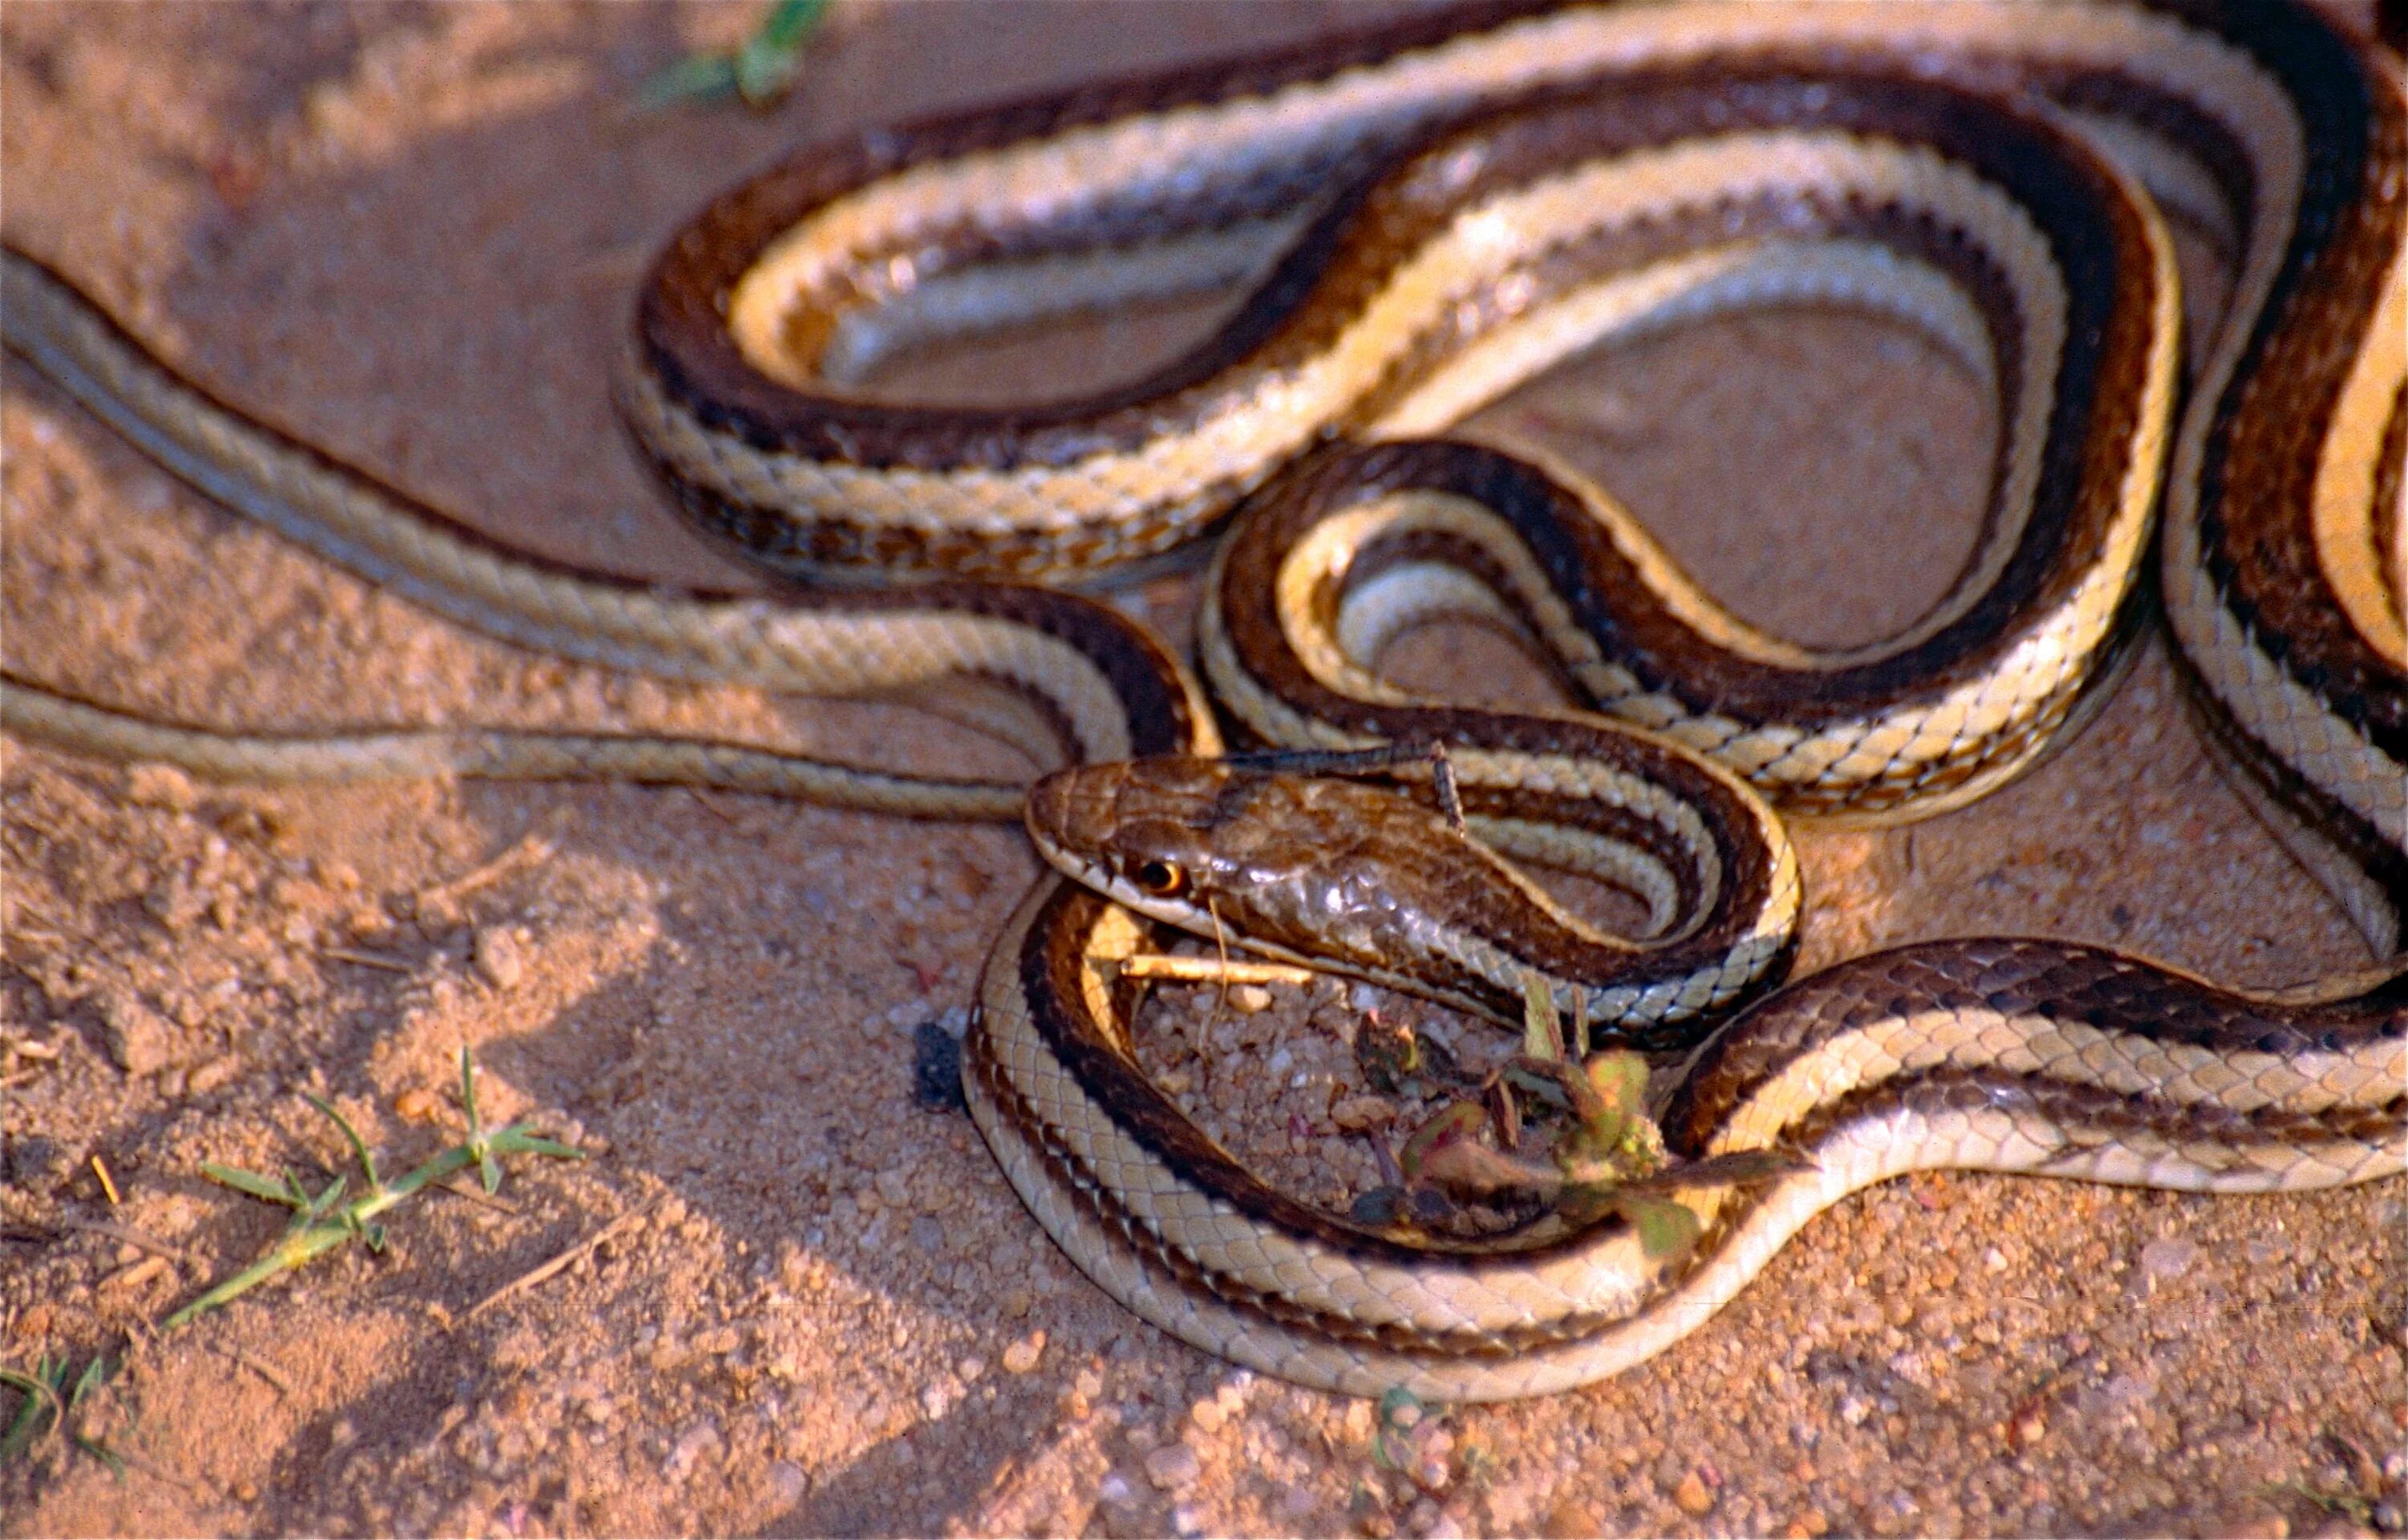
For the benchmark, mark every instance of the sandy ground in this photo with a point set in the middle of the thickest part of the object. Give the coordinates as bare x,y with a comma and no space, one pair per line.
411,232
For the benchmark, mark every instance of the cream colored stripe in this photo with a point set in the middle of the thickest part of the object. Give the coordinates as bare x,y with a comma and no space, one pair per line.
2345,475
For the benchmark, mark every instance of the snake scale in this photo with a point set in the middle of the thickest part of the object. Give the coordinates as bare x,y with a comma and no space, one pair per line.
1422,216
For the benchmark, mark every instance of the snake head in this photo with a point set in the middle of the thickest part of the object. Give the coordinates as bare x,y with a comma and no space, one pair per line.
1329,872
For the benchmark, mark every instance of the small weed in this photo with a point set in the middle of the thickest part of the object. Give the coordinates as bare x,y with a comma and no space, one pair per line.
322,1221
758,74
51,1406
1597,1151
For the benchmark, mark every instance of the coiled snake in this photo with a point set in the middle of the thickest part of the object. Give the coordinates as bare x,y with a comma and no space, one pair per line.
1426,216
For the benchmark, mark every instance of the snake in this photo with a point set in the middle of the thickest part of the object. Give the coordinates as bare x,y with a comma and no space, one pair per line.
1419,216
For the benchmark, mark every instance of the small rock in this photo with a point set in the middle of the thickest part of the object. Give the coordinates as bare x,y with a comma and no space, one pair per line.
1115,1491
1359,1422
2164,1260
1023,1356
1186,1520
416,1104
1251,998
2027,1427
214,1073
1359,1114
498,956
1571,1520
1172,1466
1692,1496
937,1068
139,1039
161,786
1208,1417
692,1446
787,1482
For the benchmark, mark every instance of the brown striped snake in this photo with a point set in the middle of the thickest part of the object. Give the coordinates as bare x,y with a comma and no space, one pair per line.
1424,217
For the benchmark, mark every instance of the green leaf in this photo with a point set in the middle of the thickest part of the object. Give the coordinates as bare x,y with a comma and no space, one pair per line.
1619,1077
359,1146
94,1375
243,1181
514,1140
760,72
1542,1029
41,1401
1666,1228
469,1094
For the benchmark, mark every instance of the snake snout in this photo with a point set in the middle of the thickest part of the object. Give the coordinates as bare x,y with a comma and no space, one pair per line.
1054,805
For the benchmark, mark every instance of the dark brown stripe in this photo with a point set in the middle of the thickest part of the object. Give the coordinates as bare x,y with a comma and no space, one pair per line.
2388,535
682,327
2257,482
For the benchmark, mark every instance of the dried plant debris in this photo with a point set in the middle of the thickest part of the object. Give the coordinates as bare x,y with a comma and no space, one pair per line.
1547,1144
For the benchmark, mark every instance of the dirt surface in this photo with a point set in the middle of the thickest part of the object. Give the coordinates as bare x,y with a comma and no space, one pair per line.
410,233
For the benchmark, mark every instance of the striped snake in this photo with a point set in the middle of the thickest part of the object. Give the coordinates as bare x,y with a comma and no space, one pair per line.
1422,217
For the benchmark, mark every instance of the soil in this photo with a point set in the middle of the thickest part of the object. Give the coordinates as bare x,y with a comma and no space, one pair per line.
800,1298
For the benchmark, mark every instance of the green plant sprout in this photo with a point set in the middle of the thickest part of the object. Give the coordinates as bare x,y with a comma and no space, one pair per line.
51,1406
1608,1155
322,1222
759,72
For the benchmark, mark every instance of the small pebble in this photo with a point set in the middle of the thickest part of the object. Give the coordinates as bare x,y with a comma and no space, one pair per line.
787,1482
1172,1466
498,956
1251,998
139,1039
161,786
1207,1415
1357,1114
214,1073
2164,1260
416,1104
1692,1495
1023,1356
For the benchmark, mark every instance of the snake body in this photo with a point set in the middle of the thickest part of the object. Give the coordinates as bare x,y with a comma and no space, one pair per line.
1428,214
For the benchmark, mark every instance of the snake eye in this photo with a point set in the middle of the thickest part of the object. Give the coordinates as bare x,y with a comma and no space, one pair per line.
1162,879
